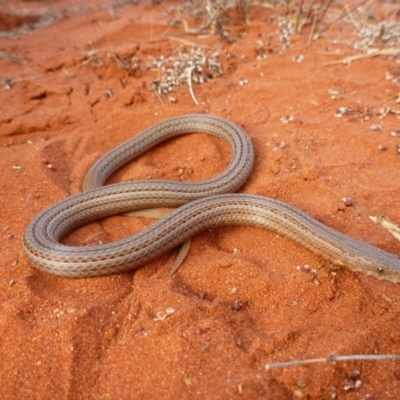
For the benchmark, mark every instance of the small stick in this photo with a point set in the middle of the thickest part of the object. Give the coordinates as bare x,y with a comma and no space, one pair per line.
333,358
343,13
12,57
314,24
387,224
299,14
349,13
189,82
323,14
374,53
188,42
158,96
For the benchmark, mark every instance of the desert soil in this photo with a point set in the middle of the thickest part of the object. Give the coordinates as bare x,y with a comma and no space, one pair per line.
77,79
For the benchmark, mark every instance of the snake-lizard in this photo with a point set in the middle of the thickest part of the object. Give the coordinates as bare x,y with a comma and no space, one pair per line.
201,205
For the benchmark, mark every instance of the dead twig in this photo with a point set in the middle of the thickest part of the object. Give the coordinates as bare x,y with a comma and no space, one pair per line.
387,224
12,57
189,71
372,53
333,358
344,12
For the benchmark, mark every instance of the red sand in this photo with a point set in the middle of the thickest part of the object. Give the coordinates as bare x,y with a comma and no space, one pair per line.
240,301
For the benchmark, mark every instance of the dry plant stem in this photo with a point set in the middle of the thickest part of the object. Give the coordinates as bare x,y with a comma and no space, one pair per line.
300,12
318,23
311,35
189,82
158,95
310,16
344,12
349,13
12,57
287,6
374,53
245,8
333,358
188,42
196,32
385,222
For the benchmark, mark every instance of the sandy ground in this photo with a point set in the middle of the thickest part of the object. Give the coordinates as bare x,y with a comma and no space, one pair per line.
244,297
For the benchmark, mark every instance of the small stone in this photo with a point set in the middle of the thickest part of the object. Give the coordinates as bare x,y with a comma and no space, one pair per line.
348,202
237,305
